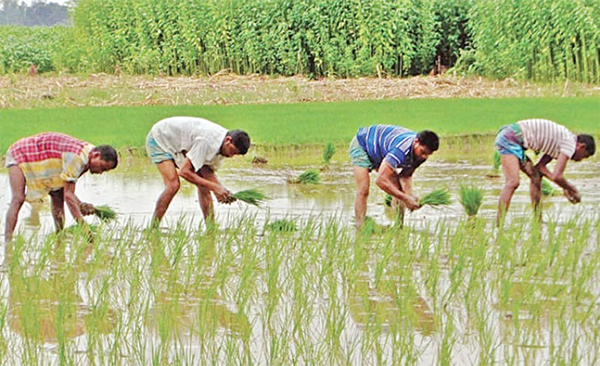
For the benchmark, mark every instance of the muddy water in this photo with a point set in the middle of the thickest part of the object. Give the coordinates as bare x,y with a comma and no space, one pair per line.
132,191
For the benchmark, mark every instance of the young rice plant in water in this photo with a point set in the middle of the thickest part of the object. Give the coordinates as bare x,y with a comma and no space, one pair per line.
230,295
470,198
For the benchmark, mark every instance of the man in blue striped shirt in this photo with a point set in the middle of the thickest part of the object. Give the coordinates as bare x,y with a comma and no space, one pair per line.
387,149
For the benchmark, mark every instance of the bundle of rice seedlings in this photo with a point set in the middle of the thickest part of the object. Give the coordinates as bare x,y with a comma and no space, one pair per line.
105,213
471,199
547,189
495,170
282,225
370,227
497,160
388,200
77,228
436,198
250,196
328,152
311,176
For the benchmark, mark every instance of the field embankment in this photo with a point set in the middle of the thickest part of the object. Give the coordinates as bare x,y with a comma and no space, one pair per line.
19,91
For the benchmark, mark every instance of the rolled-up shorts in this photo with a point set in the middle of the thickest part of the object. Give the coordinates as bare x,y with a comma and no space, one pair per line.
9,160
358,156
154,151
509,141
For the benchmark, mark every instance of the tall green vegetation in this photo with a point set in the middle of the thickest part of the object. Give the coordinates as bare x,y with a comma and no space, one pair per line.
20,47
324,37
541,40
545,40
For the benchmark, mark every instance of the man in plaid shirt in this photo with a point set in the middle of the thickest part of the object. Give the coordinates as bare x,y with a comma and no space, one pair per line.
50,163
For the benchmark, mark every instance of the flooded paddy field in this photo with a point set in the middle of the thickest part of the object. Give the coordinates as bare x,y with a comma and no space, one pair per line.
443,289
132,191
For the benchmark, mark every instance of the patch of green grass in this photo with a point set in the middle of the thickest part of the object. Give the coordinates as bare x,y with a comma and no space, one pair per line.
288,124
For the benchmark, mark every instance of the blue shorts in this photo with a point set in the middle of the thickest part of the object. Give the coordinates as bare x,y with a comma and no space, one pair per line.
155,153
358,156
509,141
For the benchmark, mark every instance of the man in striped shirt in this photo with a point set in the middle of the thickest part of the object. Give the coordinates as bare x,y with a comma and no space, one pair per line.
387,149
555,142
50,163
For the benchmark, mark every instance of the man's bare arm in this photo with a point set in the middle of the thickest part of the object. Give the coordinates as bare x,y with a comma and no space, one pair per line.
388,181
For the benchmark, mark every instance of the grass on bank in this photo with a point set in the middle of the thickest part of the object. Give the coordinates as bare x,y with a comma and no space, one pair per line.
303,123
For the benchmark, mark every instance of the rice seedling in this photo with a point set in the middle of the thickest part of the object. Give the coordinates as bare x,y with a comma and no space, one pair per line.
236,294
470,198
547,189
282,225
495,169
105,213
387,201
251,196
311,176
438,197
370,227
328,153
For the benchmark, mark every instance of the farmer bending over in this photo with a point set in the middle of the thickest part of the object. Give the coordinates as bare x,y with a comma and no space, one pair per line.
50,163
196,147
555,142
385,149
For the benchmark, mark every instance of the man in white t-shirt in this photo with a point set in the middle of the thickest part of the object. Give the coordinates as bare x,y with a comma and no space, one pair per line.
196,147
555,142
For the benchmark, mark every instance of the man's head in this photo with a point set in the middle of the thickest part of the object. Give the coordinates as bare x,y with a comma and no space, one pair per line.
586,147
102,159
236,142
425,144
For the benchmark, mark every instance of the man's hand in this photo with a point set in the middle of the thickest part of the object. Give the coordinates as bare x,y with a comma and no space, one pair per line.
87,209
572,195
223,195
412,203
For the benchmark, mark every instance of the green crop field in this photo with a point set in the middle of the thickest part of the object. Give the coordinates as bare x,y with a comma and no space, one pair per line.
283,124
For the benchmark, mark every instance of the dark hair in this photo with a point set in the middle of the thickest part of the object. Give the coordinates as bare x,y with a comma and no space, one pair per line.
588,141
241,140
108,154
429,139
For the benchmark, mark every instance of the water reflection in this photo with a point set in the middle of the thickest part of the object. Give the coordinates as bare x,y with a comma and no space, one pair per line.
45,305
186,306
